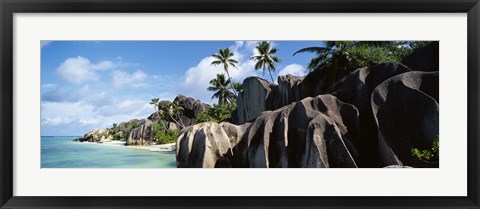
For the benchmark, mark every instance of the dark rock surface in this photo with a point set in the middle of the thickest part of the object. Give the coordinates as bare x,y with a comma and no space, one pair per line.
253,100
356,89
190,105
406,111
425,58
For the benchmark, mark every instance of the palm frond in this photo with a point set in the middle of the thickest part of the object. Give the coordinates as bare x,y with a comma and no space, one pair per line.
373,43
317,50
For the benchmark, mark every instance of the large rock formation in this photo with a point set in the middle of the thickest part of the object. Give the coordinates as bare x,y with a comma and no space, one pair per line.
315,132
406,111
96,135
191,109
252,101
288,90
203,145
142,134
356,89
372,118
425,58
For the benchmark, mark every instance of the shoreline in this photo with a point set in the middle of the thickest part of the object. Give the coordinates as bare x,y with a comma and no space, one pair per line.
171,147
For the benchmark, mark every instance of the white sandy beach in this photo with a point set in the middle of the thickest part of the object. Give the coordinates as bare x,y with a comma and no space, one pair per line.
153,148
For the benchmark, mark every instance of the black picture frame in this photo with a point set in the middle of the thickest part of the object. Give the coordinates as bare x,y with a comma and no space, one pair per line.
9,7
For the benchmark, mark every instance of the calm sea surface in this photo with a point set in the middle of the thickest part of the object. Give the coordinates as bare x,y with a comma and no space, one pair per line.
62,152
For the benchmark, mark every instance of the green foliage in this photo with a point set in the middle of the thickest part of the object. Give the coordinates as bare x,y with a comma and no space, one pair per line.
116,137
266,58
225,58
218,113
164,137
338,59
414,45
172,111
128,128
220,86
237,86
106,135
431,154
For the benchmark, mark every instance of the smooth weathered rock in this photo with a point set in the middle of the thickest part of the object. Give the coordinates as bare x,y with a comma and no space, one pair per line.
356,89
191,109
191,106
251,101
315,132
202,145
239,143
310,133
142,134
96,135
406,111
289,90
425,58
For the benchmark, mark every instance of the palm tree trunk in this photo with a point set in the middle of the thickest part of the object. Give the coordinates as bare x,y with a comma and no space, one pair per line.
231,82
176,121
271,76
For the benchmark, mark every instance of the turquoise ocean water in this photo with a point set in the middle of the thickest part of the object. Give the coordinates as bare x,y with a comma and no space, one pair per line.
62,152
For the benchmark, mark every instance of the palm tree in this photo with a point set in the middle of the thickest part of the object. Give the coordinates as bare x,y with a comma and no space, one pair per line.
339,58
225,58
266,59
341,54
172,111
237,86
154,102
221,89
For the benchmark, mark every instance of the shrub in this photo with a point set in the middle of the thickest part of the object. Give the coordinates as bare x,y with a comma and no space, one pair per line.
116,137
218,113
431,154
106,135
164,137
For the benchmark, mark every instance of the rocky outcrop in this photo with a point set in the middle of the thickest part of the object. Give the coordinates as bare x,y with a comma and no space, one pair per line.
425,58
315,132
96,135
356,89
203,145
191,109
254,99
288,90
142,134
406,111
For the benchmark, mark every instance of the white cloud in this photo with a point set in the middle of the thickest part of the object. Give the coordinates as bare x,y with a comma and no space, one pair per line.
77,118
79,69
53,121
294,69
196,80
49,86
122,79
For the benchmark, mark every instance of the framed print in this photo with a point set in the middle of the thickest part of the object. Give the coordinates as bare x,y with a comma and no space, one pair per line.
196,104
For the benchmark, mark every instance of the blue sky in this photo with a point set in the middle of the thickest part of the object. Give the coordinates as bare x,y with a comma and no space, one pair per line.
93,84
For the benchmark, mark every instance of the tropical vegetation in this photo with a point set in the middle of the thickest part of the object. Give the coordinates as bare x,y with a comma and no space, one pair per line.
225,58
431,154
266,58
222,87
